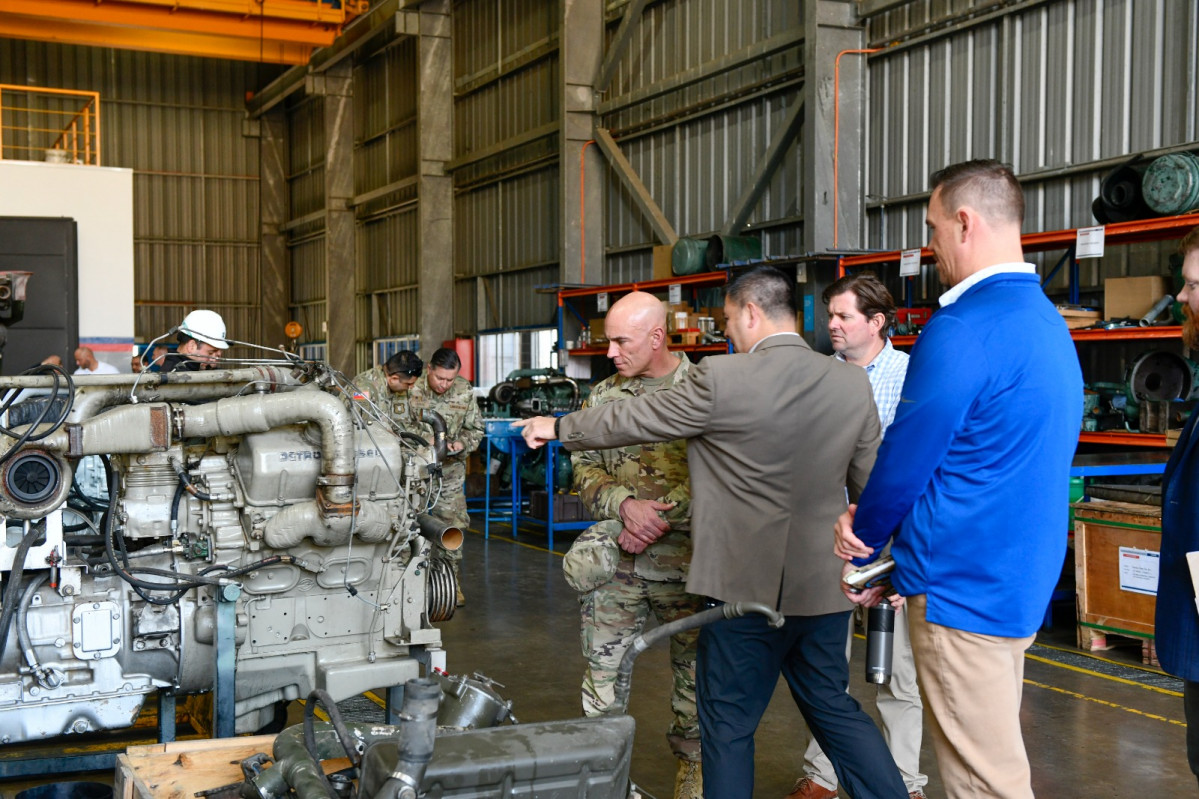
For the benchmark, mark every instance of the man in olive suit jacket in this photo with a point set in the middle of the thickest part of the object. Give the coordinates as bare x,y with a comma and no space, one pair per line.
774,437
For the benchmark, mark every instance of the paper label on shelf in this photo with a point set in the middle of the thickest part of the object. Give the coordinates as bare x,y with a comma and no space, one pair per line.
801,273
1088,242
676,293
909,263
1138,570
601,302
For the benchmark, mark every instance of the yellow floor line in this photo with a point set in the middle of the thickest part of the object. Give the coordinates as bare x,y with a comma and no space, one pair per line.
319,713
509,539
1093,656
1091,673
1105,703
371,695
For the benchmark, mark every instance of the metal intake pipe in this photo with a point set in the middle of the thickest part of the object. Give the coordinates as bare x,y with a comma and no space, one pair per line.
445,535
235,416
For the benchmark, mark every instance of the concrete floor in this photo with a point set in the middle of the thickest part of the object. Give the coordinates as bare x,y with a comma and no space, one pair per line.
1094,726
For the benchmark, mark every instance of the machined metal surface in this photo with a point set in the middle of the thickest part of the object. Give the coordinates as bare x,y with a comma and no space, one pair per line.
258,539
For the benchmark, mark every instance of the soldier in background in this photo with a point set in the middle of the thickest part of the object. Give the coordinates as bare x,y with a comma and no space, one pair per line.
449,395
387,386
641,498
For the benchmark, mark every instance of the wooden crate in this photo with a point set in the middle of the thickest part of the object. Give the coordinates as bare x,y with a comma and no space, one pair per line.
1101,529
178,770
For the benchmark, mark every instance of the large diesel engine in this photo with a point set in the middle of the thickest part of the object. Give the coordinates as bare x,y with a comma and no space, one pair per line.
257,505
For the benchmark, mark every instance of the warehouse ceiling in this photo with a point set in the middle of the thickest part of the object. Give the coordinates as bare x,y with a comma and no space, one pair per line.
273,31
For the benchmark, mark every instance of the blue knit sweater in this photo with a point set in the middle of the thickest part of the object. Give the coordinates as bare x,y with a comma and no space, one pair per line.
972,479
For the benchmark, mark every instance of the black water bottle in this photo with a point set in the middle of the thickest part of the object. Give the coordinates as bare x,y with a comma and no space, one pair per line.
880,642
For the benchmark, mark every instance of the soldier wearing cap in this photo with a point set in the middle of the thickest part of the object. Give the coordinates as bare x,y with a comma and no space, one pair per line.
633,562
444,392
387,386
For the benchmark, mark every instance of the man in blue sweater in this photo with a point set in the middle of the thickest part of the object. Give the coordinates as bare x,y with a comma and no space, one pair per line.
1177,615
971,482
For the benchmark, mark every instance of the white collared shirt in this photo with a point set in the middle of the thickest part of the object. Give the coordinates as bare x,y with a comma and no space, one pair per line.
951,296
772,335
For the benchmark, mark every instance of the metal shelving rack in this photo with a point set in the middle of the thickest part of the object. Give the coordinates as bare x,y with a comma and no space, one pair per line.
1170,227
701,280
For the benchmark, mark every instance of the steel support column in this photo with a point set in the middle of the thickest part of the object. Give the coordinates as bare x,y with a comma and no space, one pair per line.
581,173
274,269
435,208
336,87
830,27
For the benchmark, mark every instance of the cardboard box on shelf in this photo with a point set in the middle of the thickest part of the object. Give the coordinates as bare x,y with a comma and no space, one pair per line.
1078,317
598,336
662,266
1132,296
676,315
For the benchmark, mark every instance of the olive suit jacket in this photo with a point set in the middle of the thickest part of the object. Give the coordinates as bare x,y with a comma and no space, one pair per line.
774,439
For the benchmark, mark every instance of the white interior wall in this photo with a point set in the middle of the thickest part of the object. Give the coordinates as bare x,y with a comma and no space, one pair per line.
100,200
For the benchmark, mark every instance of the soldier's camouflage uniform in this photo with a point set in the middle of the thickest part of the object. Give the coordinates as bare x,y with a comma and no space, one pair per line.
373,385
651,582
463,423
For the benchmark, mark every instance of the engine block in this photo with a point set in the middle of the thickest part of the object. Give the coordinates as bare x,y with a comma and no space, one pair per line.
267,479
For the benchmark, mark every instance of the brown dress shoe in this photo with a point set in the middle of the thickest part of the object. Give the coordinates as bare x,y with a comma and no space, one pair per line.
808,788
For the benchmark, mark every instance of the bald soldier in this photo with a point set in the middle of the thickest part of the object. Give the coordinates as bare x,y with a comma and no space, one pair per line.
633,562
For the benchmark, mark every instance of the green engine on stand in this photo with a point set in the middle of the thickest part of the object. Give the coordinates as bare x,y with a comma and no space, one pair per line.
534,392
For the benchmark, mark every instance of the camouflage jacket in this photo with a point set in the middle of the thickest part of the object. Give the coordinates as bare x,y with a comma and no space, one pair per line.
373,385
606,478
457,407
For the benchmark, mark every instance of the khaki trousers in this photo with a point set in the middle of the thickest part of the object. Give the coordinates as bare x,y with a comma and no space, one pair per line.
972,685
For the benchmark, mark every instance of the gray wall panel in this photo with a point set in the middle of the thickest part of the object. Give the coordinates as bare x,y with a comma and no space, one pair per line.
177,122
1048,86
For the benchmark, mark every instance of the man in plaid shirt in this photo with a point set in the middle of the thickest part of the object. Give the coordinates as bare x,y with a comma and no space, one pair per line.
860,314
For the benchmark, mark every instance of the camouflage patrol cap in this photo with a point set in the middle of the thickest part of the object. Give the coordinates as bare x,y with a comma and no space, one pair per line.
593,557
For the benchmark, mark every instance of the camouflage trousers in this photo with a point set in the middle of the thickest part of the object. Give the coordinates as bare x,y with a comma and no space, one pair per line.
611,617
451,506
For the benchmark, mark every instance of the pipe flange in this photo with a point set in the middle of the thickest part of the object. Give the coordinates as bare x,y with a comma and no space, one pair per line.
34,482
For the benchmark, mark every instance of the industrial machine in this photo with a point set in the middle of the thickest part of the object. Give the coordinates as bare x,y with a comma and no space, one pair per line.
260,533
534,392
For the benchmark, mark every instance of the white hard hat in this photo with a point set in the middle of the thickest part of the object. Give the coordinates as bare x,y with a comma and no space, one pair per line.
206,326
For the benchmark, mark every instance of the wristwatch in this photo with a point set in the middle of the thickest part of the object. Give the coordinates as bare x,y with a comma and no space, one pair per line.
557,425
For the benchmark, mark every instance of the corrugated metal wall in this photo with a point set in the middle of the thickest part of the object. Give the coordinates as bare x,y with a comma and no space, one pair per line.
1061,90
693,106
305,197
507,209
176,121
385,153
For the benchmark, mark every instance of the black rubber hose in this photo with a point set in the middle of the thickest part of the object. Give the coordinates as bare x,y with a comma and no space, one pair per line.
175,500
12,592
187,482
320,697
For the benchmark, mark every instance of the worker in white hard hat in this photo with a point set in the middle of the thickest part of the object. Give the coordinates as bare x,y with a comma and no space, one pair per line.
201,341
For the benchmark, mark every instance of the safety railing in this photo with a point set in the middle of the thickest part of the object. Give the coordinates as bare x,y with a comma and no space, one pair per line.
55,125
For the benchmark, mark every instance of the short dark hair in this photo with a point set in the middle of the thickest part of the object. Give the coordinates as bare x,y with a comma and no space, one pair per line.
984,184
445,358
766,287
871,295
1189,243
404,362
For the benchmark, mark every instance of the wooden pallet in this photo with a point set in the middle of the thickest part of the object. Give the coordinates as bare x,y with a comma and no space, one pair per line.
178,770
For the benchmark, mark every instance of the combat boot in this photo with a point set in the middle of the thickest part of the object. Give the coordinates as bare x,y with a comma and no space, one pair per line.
689,781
